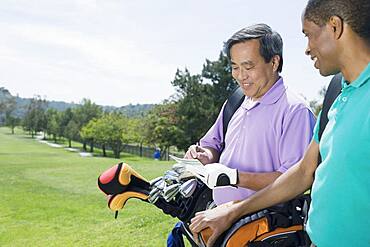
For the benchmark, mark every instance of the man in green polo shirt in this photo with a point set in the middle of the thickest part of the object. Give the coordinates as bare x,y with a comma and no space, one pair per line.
338,33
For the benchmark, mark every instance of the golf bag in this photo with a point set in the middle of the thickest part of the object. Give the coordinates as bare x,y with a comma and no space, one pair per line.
281,225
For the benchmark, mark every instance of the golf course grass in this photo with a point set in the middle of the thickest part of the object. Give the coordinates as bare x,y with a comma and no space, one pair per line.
49,197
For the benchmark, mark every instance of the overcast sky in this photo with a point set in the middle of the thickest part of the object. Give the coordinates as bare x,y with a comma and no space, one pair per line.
117,52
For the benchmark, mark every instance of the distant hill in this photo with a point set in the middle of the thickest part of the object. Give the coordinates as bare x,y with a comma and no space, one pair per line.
138,110
130,110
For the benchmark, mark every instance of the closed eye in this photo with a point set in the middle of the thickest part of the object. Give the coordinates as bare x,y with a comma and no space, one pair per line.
248,67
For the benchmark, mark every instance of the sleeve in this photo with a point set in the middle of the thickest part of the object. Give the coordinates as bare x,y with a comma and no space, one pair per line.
316,129
214,137
296,136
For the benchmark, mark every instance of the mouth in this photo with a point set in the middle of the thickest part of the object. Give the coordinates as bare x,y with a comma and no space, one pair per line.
315,60
246,85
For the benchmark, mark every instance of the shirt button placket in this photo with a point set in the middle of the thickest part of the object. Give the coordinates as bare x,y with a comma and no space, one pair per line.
343,98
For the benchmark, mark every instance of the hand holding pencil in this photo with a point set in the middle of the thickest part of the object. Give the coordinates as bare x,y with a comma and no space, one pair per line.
195,151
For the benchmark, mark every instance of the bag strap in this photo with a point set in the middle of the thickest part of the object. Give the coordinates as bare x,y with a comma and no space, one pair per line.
332,93
232,104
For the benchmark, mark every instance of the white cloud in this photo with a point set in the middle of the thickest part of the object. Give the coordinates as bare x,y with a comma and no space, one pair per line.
119,52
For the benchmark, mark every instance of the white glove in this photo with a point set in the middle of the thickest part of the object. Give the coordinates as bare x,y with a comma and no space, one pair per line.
215,174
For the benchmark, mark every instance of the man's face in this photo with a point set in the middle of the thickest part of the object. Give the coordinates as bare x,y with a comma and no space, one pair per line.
321,47
250,70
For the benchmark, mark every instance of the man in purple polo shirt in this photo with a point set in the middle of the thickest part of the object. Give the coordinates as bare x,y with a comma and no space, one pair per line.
271,129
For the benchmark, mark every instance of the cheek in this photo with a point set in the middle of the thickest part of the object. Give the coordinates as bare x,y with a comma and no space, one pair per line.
325,52
323,44
234,74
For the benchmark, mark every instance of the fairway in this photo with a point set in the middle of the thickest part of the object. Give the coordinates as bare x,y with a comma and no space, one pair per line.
49,197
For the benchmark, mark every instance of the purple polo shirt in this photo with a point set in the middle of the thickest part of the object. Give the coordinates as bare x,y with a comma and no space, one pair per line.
265,136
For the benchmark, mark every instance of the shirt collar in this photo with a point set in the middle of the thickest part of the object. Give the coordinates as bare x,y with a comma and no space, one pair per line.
360,80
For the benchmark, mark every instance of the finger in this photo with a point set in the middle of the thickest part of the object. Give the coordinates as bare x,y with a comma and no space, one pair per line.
198,225
190,153
199,217
187,155
212,239
193,152
198,213
194,225
196,238
194,233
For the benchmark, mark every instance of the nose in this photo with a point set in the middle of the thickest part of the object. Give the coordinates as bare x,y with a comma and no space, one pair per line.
242,75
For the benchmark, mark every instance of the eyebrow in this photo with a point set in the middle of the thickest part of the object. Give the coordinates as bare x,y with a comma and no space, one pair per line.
248,62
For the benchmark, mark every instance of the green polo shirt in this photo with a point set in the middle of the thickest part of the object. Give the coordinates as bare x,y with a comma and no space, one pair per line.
340,210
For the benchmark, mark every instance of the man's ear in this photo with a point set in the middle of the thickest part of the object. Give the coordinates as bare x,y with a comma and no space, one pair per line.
336,23
275,62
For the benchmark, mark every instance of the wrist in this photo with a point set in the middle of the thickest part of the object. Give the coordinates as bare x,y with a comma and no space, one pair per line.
236,212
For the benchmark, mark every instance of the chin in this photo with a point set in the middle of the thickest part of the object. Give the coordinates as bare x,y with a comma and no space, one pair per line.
324,73
328,72
248,94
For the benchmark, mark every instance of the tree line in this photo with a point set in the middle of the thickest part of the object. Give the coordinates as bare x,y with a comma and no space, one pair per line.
178,121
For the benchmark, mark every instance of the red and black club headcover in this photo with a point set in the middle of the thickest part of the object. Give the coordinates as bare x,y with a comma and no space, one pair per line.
121,183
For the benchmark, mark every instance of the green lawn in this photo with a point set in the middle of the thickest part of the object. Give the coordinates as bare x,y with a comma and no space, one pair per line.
49,197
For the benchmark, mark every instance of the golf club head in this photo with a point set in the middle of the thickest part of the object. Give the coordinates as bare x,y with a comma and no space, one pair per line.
155,180
188,188
170,192
179,168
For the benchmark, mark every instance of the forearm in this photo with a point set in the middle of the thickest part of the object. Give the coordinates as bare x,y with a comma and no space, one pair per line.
290,184
256,180
273,194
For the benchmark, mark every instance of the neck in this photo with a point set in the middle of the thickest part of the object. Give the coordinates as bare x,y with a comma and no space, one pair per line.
269,85
355,58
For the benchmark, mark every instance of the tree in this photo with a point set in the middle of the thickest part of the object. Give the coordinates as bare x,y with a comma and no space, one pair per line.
194,107
7,107
88,132
219,73
114,125
7,103
65,118
138,130
71,132
101,132
52,123
112,129
86,112
161,127
11,121
35,120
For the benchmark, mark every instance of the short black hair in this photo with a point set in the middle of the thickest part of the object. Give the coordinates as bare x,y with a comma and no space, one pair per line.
356,13
271,43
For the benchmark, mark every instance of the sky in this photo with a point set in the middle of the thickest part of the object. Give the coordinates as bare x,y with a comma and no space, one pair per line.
119,52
